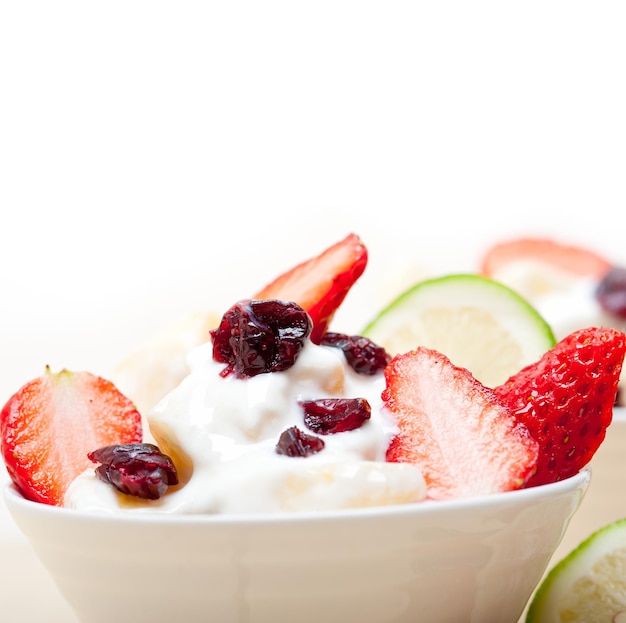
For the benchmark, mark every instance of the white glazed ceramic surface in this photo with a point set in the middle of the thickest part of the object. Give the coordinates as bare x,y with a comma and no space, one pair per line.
474,560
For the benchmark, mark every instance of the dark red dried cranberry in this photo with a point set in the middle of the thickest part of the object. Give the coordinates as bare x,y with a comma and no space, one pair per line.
138,469
362,355
294,442
611,292
335,415
260,336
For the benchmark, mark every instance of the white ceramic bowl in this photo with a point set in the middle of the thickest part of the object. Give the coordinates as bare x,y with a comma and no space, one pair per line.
471,560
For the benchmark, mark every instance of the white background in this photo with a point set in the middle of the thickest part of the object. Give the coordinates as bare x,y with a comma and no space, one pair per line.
155,157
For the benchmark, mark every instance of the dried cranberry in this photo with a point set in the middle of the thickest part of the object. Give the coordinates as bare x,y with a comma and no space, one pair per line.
611,292
260,336
335,415
294,442
138,469
362,355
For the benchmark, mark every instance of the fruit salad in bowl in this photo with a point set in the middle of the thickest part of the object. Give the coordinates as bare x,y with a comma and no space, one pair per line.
298,469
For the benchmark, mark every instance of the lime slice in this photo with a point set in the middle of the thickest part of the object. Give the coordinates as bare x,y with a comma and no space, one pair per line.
588,585
478,323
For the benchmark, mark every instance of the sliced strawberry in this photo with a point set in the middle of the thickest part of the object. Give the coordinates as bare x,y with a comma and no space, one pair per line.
49,426
570,258
320,284
566,399
454,428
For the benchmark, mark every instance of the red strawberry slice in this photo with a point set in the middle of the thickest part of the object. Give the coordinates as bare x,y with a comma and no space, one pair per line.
49,426
454,428
320,284
570,258
566,399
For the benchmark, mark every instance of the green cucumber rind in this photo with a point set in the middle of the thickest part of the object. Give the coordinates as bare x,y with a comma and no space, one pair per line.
558,573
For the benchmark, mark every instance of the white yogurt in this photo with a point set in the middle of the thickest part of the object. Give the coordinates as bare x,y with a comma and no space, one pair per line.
222,434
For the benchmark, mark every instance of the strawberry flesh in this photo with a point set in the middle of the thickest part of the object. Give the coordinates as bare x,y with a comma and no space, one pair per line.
566,399
454,428
319,285
569,258
49,426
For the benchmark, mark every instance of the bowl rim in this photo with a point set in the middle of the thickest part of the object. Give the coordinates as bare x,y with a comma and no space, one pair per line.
15,501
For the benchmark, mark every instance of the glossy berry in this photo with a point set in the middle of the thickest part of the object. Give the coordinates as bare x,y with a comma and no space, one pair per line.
611,292
255,337
362,355
296,443
327,416
138,469
566,399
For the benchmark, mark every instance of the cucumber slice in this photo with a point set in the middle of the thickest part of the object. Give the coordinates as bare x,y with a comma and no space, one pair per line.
477,322
588,585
